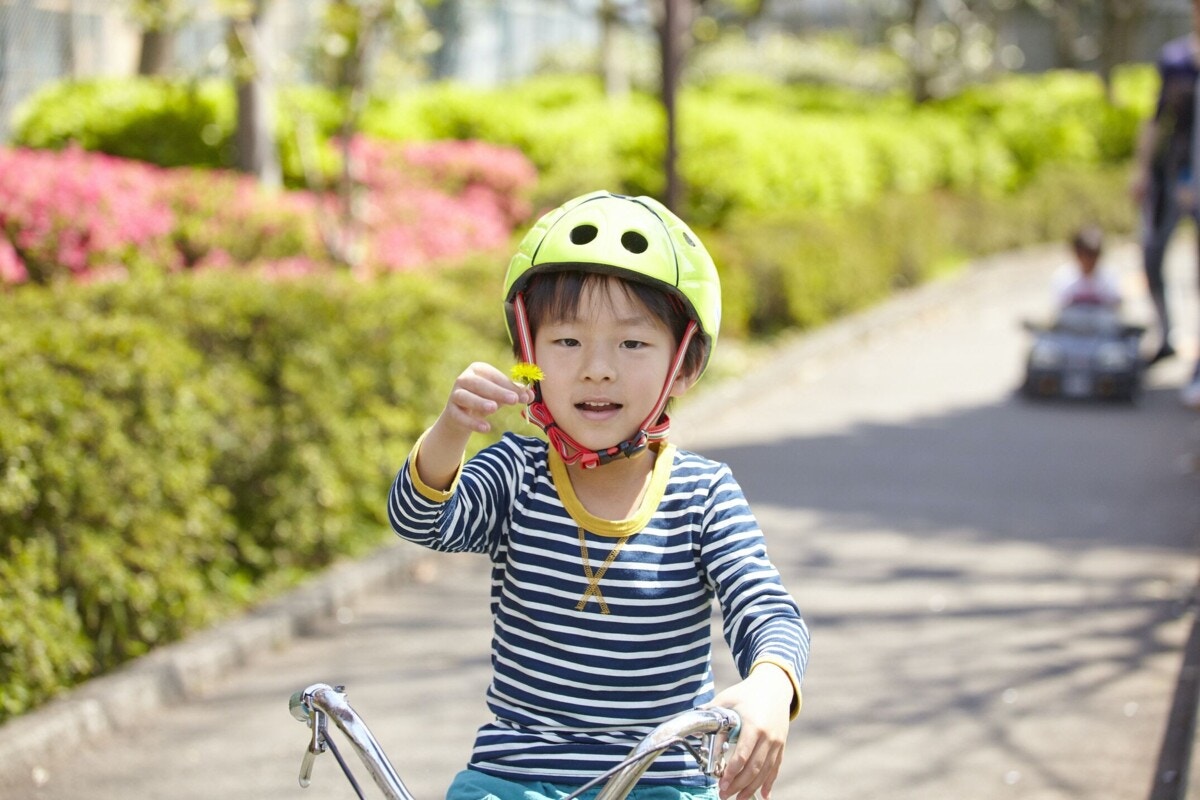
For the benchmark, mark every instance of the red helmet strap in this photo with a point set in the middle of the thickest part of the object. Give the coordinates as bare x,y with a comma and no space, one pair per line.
654,428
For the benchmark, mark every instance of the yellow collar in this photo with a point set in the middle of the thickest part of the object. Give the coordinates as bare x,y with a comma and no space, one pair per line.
620,527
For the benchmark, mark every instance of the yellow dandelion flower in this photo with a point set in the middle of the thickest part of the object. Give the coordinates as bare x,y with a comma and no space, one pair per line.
526,374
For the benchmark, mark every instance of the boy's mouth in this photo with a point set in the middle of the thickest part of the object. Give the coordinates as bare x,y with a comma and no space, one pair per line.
598,406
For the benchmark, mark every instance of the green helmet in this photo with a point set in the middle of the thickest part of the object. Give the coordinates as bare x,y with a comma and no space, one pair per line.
636,238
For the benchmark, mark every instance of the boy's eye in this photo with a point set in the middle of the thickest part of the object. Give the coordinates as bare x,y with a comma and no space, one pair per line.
632,344
567,342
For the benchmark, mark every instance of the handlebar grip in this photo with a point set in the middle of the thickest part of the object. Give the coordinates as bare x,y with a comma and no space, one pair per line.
298,708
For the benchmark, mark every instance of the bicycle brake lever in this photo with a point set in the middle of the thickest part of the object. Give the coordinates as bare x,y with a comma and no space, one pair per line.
716,746
315,747
714,763
306,767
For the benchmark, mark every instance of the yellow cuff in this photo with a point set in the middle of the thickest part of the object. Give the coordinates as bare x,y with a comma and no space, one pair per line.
423,489
797,696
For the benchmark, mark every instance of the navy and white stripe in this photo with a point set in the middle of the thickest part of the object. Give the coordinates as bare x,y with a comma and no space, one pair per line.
573,690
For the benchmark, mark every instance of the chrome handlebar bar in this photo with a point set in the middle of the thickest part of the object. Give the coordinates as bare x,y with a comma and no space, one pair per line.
320,703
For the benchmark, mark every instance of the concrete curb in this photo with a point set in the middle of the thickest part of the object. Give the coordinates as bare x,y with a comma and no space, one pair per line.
188,669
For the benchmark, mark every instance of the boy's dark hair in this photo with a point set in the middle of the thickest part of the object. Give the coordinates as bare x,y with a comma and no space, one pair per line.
1088,239
555,296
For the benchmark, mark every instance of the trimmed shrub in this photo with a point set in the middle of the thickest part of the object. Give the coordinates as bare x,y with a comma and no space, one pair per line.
746,143
782,269
173,450
168,123
109,427
80,215
74,215
222,219
1075,123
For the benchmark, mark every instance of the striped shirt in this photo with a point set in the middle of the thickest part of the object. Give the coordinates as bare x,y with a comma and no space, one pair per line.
589,654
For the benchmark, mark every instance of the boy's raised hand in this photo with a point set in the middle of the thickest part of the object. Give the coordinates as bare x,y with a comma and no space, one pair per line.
478,392
763,701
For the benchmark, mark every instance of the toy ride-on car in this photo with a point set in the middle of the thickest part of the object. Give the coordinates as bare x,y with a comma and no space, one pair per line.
1087,353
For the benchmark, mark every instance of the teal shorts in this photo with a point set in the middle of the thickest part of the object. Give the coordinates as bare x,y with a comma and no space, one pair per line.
474,785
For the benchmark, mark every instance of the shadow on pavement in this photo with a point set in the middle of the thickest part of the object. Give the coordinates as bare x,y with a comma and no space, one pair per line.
989,589
1016,470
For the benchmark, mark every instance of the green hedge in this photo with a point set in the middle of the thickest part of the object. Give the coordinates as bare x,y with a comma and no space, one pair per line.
175,450
745,144
783,270
165,123
172,124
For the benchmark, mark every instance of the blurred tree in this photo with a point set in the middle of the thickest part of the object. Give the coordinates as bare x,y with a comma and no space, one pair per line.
613,67
1068,29
1120,23
159,21
446,19
363,44
354,36
718,15
945,43
1116,22
251,53
674,23
678,22
358,41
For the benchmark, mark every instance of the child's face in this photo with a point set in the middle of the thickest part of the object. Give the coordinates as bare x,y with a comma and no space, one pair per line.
606,366
1087,259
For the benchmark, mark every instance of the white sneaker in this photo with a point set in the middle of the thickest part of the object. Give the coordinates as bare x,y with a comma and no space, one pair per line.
1190,394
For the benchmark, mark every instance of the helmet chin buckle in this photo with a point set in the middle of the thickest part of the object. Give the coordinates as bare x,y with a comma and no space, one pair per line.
628,449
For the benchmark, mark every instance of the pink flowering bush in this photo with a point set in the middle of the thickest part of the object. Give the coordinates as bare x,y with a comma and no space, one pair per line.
504,172
12,270
73,214
228,219
81,216
430,202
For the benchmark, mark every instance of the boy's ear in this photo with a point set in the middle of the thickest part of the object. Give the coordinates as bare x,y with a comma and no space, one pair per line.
682,383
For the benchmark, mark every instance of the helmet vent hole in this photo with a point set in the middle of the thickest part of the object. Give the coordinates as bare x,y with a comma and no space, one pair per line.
582,234
634,242
688,239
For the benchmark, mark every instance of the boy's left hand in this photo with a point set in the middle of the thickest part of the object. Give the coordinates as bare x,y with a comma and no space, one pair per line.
763,701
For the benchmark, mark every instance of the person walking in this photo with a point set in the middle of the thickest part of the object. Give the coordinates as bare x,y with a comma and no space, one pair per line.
1164,181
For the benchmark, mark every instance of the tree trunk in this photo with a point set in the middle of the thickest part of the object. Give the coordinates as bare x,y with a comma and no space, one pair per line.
254,140
447,19
920,64
612,66
1066,32
66,40
157,53
1120,20
671,36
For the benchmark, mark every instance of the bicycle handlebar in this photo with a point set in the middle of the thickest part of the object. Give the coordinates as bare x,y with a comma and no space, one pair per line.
719,726
320,702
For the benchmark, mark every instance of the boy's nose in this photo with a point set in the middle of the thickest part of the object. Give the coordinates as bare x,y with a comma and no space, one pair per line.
598,365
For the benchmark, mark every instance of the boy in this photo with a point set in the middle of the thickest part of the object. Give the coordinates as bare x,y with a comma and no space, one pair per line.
1083,282
608,544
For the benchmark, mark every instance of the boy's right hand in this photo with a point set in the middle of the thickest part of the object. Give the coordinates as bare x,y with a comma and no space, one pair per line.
478,393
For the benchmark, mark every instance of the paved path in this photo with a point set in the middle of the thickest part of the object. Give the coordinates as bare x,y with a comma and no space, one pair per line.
998,591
